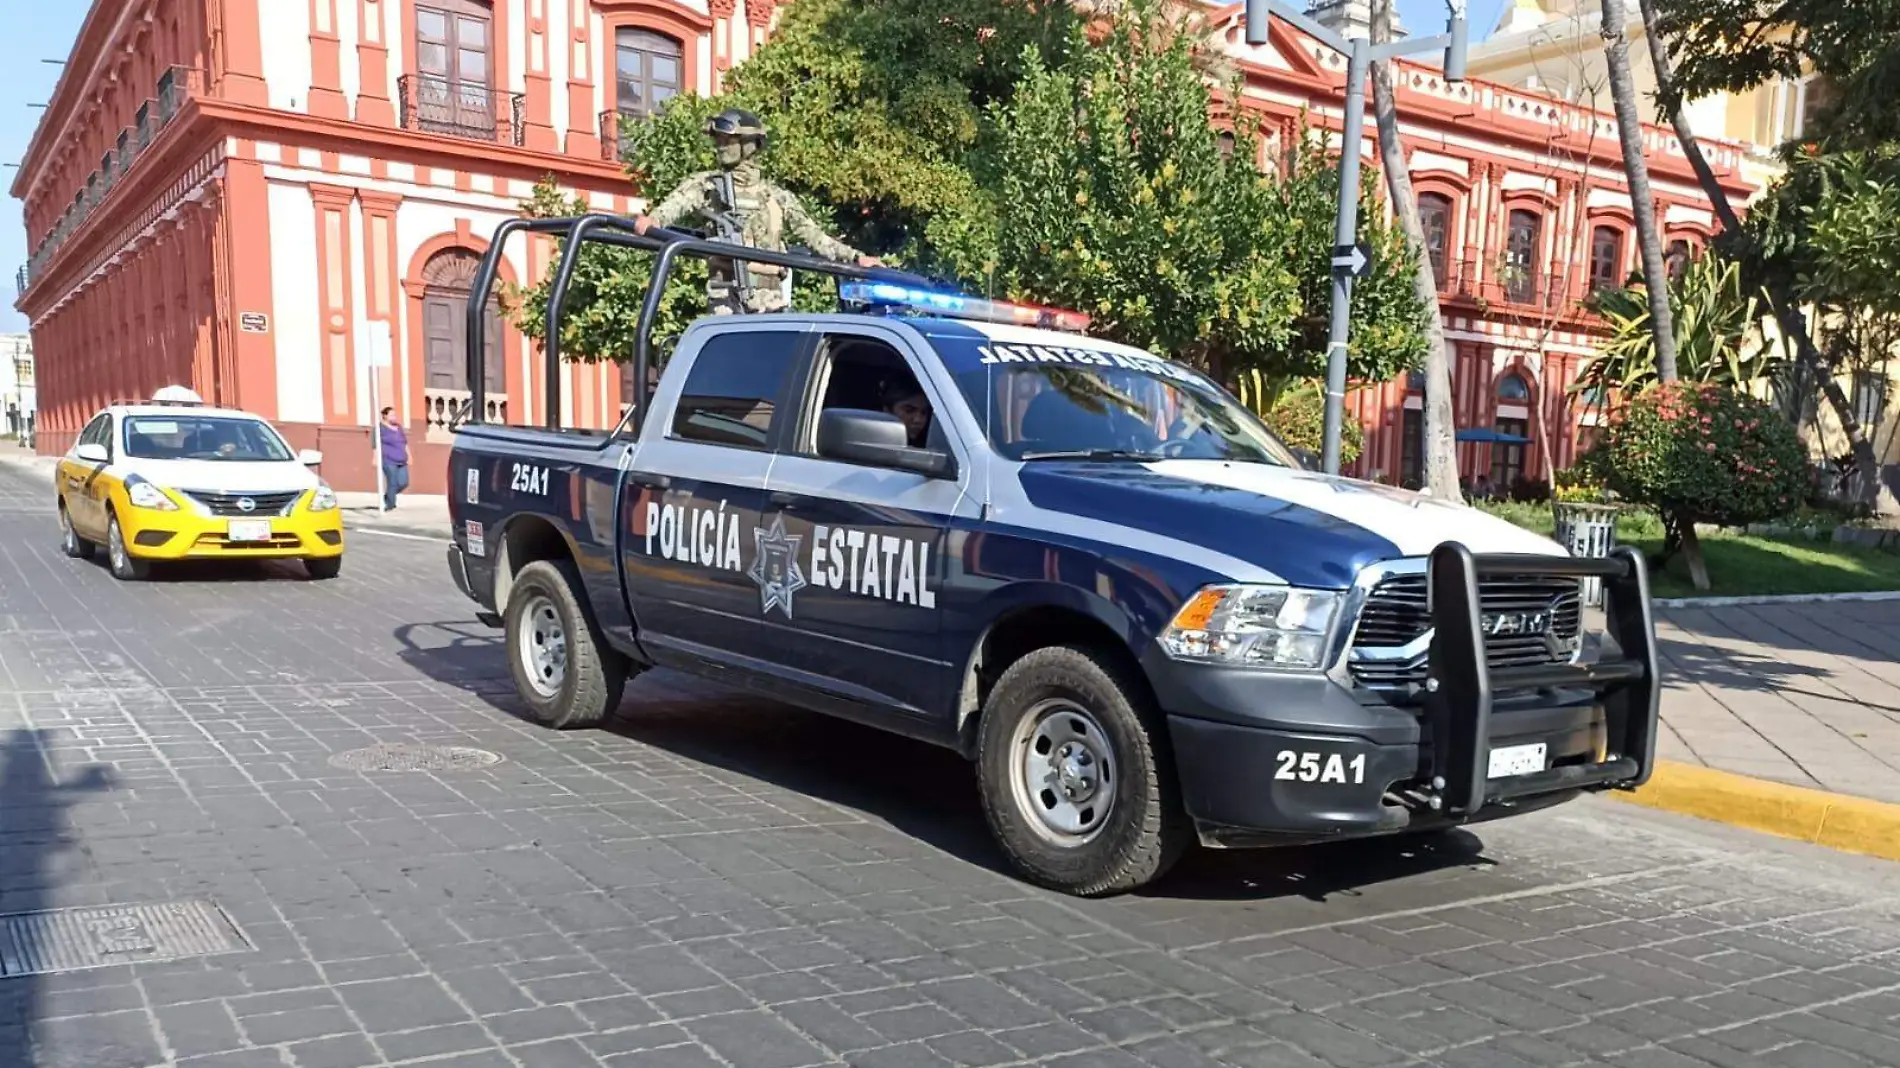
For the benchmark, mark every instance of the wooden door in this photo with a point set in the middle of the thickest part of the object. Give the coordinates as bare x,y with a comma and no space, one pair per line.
455,83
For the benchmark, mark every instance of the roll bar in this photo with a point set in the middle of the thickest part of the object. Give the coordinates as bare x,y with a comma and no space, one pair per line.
618,230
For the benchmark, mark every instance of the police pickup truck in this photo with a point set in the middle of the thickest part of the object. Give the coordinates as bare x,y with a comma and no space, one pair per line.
1083,566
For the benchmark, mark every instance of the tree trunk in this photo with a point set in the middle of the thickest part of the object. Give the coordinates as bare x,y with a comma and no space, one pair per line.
1441,447
1782,301
1629,125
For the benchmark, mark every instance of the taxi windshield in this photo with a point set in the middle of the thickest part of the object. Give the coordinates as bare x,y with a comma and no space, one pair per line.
203,437
1043,403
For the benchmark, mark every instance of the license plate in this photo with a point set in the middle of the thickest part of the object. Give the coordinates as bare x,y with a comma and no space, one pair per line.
247,530
1510,760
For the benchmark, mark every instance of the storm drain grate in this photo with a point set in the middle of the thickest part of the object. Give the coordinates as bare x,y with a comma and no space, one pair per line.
68,940
403,756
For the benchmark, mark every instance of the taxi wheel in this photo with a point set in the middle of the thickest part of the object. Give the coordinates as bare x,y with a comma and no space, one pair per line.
125,566
565,674
1077,778
323,567
69,540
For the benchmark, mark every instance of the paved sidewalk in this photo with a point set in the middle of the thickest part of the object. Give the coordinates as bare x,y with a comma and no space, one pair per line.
1805,694
415,513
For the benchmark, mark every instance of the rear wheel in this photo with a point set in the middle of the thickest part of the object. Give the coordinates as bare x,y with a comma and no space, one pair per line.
565,674
1077,779
323,567
69,540
125,566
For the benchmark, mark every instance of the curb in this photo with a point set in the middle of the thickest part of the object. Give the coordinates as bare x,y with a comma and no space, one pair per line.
1837,821
1774,598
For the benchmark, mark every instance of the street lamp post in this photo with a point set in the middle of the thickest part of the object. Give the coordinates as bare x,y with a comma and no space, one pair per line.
1349,260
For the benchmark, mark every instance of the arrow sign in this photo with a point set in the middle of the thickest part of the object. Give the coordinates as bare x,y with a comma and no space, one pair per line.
1353,259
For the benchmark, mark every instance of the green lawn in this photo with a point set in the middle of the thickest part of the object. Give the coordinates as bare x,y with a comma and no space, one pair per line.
1739,564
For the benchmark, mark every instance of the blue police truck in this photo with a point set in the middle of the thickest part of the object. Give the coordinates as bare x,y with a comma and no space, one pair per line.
1083,566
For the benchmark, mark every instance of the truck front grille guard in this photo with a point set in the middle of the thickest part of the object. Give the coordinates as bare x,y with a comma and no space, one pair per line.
1461,684
575,232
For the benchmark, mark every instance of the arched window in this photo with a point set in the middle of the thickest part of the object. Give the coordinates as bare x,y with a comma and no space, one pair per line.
1606,258
1681,252
447,280
1434,215
1512,389
1225,142
648,71
1520,256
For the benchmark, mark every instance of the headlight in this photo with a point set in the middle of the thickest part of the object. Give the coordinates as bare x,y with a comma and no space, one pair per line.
324,499
1254,626
145,495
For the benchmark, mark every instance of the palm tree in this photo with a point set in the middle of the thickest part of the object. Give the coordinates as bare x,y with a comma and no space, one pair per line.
1441,455
1783,303
1642,202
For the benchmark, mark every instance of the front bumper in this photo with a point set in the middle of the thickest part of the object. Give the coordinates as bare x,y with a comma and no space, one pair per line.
1274,759
151,534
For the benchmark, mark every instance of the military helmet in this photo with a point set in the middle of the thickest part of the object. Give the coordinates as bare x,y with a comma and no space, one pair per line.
737,122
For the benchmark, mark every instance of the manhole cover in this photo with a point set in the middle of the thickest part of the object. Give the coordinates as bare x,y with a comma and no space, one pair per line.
402,756
65,940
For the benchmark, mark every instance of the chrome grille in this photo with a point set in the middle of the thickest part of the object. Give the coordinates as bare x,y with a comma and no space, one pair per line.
262,504
1397,613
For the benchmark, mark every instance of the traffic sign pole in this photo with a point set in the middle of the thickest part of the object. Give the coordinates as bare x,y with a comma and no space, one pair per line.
1360,54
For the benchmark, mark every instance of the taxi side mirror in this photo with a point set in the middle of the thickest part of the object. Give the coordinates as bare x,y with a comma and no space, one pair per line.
310,457
877,439
93,453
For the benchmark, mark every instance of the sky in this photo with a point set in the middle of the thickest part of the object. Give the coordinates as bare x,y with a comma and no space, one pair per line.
46,30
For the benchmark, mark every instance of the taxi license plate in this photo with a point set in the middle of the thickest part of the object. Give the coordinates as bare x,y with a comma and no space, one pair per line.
1510,760
247,530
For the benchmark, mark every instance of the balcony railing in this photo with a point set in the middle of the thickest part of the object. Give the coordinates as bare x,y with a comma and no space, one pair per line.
1489,283
445,409
438,105
175,87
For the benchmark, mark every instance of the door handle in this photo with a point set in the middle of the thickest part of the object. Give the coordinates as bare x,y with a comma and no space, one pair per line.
655,481
781,499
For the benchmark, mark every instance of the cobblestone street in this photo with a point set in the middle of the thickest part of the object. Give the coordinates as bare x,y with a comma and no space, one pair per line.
716,880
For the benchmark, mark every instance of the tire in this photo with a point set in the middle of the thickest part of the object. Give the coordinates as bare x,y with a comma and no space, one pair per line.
125,566
323,567
1082,704
580,680
69,540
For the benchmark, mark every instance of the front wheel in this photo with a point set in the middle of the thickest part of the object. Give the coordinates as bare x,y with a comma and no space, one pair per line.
125,566
69,540
323,567
563,671
1077,778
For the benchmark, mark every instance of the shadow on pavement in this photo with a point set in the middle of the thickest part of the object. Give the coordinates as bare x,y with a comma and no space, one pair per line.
922,790
1730,668
32,834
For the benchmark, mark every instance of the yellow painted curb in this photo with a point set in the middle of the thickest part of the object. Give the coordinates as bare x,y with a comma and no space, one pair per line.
1849,824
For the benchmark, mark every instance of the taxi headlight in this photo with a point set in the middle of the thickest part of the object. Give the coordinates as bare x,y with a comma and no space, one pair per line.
143,494
324,499
1280,627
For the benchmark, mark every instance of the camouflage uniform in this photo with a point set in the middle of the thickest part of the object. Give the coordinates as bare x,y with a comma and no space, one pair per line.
768,212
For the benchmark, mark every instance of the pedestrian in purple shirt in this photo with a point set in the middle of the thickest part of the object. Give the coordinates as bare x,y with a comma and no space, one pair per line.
395,458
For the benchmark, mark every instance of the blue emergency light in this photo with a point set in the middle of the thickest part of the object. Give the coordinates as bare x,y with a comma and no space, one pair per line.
889,296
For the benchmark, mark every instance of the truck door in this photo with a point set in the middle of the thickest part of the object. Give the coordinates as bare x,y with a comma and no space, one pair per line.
865,622
696,488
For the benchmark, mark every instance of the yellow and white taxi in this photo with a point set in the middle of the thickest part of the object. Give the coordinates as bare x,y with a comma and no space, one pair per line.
175,479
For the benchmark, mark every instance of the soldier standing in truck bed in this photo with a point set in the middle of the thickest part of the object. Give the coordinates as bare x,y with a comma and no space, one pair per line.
745,207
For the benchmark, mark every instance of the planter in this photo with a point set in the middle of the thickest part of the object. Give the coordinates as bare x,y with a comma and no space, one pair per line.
1587,530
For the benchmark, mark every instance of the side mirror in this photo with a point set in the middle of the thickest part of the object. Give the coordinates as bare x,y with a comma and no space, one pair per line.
310,457
879,440
93,453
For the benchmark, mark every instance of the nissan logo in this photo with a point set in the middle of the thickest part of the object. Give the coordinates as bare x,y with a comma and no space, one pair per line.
245,504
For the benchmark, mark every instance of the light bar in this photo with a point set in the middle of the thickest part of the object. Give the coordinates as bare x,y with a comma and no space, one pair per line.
959,306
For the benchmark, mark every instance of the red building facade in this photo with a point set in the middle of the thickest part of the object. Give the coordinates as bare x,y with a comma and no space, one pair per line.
260,207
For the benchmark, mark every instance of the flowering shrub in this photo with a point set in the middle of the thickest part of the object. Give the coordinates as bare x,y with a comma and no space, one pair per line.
1704,453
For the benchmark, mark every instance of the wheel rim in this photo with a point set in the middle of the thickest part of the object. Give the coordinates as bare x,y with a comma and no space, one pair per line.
116,544
1064,772
542,647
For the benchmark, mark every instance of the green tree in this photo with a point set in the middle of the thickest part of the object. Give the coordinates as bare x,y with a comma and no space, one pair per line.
1716,323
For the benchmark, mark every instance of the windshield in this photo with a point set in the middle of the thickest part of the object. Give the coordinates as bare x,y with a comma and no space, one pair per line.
202,437
1094,404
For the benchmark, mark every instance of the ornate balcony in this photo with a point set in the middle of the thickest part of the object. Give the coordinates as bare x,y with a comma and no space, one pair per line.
445,409
434,104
